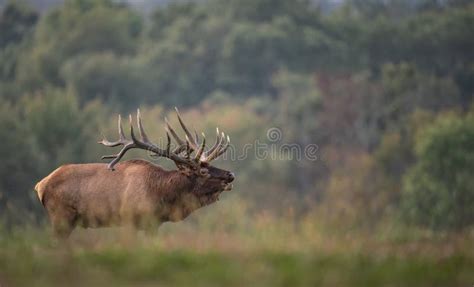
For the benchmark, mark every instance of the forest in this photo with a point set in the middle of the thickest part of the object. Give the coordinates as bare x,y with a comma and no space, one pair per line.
381,90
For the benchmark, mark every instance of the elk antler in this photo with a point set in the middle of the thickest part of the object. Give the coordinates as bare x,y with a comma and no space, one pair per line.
188,146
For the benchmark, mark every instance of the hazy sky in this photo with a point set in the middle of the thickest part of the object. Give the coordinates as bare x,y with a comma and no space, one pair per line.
141,5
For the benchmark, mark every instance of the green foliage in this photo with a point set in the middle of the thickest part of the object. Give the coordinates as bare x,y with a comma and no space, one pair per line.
407,89
16,22
61,131
191,50
16,29
270,251
18,160
40,133
78,27
180,68
439,189
351,79
164,18
264,10
118,81
250,55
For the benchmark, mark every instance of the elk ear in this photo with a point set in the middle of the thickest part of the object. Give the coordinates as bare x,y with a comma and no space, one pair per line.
204,172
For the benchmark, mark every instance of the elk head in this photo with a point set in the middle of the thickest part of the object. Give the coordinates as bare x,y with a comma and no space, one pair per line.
190,156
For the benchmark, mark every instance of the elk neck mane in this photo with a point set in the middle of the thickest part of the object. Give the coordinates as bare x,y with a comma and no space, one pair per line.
170,184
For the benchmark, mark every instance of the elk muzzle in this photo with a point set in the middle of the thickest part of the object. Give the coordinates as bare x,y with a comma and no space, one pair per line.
227,183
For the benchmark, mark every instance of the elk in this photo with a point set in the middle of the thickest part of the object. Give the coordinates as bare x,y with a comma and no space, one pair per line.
136,192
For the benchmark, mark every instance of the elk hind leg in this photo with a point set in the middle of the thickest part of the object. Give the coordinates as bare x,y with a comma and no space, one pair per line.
63,223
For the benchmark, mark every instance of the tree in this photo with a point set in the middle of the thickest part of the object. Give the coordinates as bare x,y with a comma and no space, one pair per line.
120,82
78,27
61,131
18,169
439,188
180,66
299,102
16,22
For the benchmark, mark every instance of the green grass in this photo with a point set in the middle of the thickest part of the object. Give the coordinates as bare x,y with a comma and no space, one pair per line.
229,246
143,267
117,258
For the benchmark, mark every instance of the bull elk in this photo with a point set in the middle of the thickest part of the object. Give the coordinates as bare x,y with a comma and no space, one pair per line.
136,192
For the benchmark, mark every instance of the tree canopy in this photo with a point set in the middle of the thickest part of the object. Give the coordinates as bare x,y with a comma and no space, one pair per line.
360,80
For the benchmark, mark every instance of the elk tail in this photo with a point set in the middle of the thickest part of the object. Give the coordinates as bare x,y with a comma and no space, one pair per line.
42,185
39,188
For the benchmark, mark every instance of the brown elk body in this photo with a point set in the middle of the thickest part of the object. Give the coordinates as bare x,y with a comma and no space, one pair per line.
135,192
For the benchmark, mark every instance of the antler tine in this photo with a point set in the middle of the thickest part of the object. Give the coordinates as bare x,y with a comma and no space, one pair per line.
122,139
109,143
189,144
196,137
173,133
201,148
181,144
168,144
155,149
192,143
188,150
140,128
214,153
224,149
119,156
108,156
121,135
193,146
179,149
216,144
127,144
132,134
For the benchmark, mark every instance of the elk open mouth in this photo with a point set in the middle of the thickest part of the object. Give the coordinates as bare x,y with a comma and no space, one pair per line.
228,186
213,196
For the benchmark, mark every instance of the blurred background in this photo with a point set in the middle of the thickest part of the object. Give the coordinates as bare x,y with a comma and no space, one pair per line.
384,88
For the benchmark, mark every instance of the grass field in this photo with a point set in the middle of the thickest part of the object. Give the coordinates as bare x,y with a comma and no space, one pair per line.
218,247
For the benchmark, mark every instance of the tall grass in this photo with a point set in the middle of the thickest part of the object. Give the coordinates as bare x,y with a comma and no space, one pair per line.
226,244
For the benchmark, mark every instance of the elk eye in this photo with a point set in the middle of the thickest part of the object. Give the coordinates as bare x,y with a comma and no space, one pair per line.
204,171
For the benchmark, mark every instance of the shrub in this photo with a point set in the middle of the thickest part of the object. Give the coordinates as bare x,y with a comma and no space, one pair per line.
439,188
